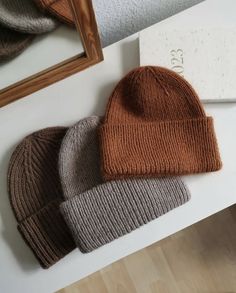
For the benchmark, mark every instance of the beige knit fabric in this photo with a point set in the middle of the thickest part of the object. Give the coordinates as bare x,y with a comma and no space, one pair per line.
97,212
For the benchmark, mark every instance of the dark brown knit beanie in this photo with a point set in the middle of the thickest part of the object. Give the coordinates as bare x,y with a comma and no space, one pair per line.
59,8
12,43
35,194
155,125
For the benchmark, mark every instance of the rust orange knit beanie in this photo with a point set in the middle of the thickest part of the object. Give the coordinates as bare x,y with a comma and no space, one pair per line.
35,194
155,125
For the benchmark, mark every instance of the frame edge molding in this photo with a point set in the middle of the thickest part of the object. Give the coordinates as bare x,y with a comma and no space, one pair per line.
87,27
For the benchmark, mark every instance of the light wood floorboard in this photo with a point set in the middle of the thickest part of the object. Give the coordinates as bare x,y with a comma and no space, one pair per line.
198,259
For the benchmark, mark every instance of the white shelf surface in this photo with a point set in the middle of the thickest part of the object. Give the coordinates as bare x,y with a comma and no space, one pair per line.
86,94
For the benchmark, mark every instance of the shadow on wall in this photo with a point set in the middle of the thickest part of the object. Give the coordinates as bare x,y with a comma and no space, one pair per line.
19,248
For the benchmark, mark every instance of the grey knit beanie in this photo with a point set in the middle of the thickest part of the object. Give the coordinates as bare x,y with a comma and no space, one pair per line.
12,43
98,213
25,17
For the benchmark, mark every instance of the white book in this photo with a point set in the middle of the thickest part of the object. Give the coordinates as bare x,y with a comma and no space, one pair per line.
204,57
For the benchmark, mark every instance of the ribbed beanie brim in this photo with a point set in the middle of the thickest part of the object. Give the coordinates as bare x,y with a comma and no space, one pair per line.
24,16
47,234
159,149
113,209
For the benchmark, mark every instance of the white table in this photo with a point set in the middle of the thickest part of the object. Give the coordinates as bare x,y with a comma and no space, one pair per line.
85,94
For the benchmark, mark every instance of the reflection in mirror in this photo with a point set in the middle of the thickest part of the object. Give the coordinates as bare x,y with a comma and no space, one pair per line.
35,35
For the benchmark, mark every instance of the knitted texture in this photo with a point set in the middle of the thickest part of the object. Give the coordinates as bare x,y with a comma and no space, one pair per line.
155,125
59,8
25,17
98,212
79,166
118,19
116,208
12,43
35,194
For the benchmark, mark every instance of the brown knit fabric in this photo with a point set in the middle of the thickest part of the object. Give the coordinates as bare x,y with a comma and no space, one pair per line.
12,43
36,193
59,8
155,125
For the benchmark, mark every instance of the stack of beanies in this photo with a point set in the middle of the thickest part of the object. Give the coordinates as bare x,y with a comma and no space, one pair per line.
105,177
20,21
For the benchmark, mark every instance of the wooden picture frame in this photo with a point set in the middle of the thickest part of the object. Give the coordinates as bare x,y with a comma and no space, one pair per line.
87,27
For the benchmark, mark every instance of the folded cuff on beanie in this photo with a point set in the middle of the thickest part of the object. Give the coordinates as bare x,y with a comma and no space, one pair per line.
159,148
116,208
47,235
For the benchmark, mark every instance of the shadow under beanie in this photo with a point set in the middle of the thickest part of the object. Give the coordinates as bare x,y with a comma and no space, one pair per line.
35,194
155,125
97,212
25,17
12,43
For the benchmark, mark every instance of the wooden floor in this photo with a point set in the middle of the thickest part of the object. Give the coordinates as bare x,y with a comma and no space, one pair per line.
199,259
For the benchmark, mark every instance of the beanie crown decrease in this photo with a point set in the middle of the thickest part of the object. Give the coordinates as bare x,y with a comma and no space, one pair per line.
152,94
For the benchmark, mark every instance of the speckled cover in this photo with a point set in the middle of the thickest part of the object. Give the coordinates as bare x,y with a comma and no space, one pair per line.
204,56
